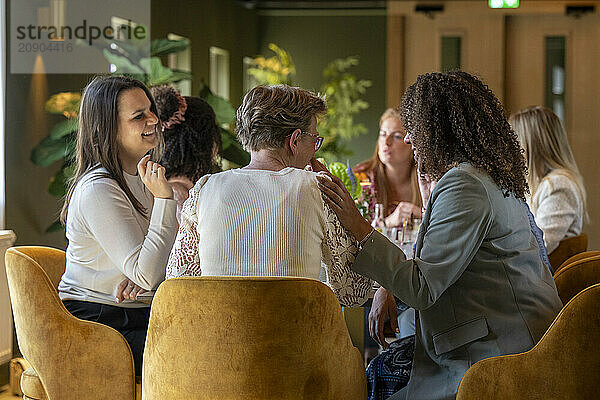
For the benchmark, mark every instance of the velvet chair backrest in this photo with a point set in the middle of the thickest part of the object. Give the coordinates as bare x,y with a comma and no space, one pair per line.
74,359
565,364
567,248
577,276
249,338
577,257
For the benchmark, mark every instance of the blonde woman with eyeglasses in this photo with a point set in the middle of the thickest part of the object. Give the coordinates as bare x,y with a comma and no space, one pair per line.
557,193
268,218
392,172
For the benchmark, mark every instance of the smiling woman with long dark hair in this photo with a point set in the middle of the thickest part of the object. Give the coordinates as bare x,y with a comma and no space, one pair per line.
477,279
119,212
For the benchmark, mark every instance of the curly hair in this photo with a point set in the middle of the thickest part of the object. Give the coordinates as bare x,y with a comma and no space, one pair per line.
454,117
191,146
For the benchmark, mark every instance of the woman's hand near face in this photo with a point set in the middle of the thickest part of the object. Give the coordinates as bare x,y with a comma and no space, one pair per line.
153,176
403,210
335,194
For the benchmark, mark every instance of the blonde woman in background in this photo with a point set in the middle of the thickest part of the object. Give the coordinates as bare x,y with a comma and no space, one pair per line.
557,193
392,172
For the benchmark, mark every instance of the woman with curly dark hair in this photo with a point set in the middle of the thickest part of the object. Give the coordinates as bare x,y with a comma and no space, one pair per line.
477,280
192,139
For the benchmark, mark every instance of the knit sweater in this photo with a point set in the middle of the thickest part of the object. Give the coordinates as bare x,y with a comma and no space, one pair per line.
557,205
110,241
265,223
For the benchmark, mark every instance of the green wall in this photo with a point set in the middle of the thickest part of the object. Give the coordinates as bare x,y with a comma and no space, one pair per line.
220,23
314,41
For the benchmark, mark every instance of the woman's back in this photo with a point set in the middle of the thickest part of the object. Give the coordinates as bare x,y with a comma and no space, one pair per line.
259,222
558,207
248,222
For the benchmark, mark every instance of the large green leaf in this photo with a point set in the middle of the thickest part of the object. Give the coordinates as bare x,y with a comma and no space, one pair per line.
236,154
50,150
122,63
158,74
64,128
179,75
59,182
226,138
223,109
56,226
162,47
232,150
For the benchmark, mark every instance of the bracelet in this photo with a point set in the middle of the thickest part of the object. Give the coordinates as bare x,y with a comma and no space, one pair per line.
364,240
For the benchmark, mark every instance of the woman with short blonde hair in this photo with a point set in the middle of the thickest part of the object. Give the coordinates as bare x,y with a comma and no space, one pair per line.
268,218
557,197
392,172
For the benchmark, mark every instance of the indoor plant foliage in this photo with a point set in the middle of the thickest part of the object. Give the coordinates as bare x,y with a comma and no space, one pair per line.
278,69
343,90
232,153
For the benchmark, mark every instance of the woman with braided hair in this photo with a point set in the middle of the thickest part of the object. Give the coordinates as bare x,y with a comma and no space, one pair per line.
477,280
192,139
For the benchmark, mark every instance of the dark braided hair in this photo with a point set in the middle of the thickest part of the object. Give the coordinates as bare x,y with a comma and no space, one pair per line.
453,117
191,146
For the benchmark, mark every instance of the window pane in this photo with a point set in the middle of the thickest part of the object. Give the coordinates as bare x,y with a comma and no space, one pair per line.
555,74
219,72
451,46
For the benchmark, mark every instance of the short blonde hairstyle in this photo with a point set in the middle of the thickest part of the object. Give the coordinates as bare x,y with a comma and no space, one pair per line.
546,147
269,114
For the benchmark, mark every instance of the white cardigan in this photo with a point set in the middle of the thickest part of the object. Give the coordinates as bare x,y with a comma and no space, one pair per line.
265,223
557,206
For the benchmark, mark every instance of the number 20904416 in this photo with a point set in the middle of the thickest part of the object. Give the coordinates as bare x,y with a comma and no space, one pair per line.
45,47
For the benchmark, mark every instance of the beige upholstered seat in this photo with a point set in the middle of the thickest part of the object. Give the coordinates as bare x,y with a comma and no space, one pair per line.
577,276
70,358
565,364
249,338
567,248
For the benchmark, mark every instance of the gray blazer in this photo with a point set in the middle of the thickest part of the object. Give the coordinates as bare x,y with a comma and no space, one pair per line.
477,281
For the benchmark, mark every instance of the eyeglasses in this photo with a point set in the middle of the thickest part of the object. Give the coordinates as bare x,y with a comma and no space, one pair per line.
319,141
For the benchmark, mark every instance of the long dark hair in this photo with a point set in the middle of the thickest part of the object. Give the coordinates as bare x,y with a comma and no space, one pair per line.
97,144
453,117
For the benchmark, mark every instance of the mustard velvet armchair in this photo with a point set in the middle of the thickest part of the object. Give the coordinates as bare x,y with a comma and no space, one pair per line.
567,248
70,358
249,338
565,364
577,276
577,257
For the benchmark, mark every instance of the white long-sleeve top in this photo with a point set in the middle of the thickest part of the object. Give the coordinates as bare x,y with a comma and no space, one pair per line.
557,206
265,223
110,241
